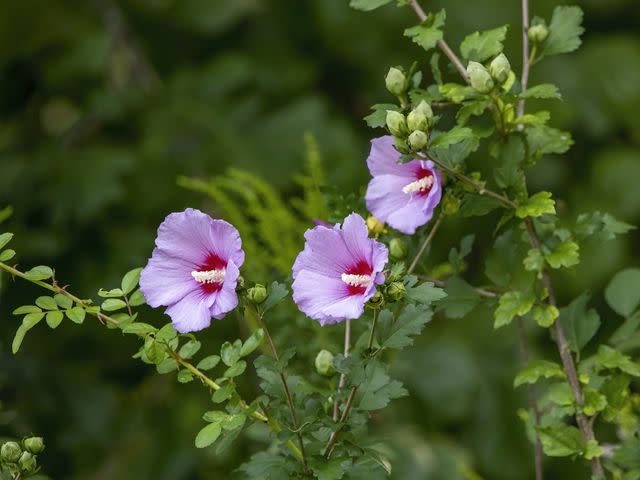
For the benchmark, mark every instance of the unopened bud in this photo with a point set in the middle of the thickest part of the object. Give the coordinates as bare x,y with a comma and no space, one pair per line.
401,145
396,123
398,248
10,452
240,284
27,462
538,33
500,68
257,294
417,120
418,140
450,204
375,225
34,445
396,291
377,301
395,81
424,108
479,77
324,363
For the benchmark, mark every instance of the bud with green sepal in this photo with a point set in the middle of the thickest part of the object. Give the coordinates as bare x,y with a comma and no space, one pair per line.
398,248
417,140
500,68
240,284
34,445
416,120
10,452
479,78
450,203
396,123
324,363
396,291
27,462
424,108
257,294
377,301
401,145
538,31
396,82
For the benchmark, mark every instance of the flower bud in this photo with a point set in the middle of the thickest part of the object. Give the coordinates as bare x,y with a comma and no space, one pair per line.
396,123
324,363
377,301
375,225
240,284
396,291
395,81
398,248
479,77
417,120
418,140
257,294
27,462
401,145
424,108
538,33
500,68
34,445
450,204
10,452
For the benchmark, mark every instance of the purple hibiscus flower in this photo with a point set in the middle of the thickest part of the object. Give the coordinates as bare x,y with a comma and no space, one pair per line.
402,195
338,270
194,269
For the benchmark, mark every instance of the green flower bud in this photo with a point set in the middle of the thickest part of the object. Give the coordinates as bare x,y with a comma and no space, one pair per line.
418,140
324,363
417,120
27,462
396,291
377,301
10,452
479,77
500,68
257,294
450,204
34,445
396,123
396,81
424,108
240,284
398,248
538,33
401,145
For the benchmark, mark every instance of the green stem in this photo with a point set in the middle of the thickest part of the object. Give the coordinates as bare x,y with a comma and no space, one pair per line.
425,244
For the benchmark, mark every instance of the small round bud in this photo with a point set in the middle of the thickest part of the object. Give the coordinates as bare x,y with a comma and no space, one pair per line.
27,462
257,294
34,445
398,248
240,284
396,81
324,363
417,120
500,68
396,123
375,225
396,291
401,145
450,204
10,452
538,33
377,301
424,108
418,140
479,77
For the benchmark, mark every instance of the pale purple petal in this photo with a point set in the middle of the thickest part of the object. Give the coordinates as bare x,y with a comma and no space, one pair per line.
383,157
192,312
324,252
227,299
166,279
355,235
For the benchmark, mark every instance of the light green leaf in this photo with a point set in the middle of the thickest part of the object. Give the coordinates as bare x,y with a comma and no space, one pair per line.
426,293
130,280
189,349
367,5
565,29
510,159
7,255
223,393
46,303
208,435
207,363
41,272
561,440
565,254
427,33
534,261
603,226
594,401
593,450
456,135
623,292
27,309
608,357
139,328
480,46
5,238
236,369
378,118
544,90
545,315
137,299
112,304
512,304
252,343
543,139
229,353
185,376
113,293
579,324
456,92
537,369
63,301
28,322
166,366
76,314
54,318
539,204
398,333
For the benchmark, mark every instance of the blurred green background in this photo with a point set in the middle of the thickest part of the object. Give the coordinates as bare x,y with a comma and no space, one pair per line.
104,103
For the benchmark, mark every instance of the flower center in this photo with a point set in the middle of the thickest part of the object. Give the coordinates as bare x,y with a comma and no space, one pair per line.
353,280
209,276
357,278
422,185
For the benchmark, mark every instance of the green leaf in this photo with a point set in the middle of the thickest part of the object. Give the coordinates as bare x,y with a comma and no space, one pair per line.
236,369
378,118
189,349
480,46
137,299
545,315
623,292
139,328
565,254
544,90
510,160
113,293
112,304
397,333
154,350
167,333
5,238
225,392
539,204
7,254
602,226
252,343
130,280
593,450
608,357
564,31
76,314
208,435
277,293
185,376
510,305
537,369
18,338
460,300
426,293
207,363
628,455
427,33
46,303
63,301
41,272
27,309
367,5
543,139
229,353
474,205
166,366
579,324
377,389
28,322
594,401
456,92
561,440
54,318
456,135
534,261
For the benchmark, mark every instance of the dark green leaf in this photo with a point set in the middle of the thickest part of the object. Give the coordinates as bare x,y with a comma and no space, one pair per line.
565,30
623,292
367,5
207,363
277,293
460,300
397,333
579,324
427,33
252,343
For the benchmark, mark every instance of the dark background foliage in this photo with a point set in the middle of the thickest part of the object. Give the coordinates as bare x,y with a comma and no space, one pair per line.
104,103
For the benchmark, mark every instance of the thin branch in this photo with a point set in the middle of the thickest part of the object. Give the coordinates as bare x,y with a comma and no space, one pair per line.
442,45
483,292
425,244
525,57
347,346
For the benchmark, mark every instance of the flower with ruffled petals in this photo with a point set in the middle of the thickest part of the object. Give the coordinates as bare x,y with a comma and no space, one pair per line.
401,195
338,270
194,269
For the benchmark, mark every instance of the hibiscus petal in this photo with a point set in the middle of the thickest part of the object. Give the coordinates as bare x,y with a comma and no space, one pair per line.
166,279
227,298
325,252
383,158
191,313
